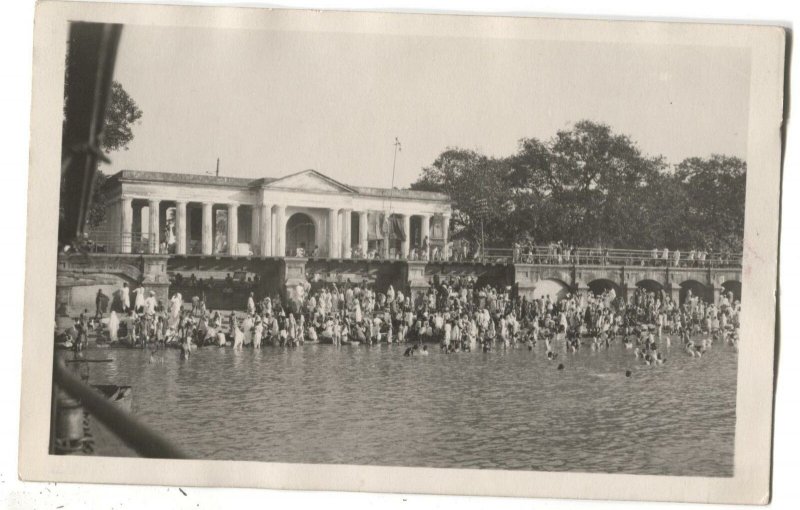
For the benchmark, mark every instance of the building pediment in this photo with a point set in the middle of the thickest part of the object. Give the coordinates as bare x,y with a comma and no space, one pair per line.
309,180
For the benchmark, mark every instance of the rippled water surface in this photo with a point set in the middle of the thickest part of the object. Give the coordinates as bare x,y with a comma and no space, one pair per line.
506,410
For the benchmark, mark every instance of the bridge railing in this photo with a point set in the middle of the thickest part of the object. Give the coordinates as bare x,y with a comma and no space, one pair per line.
116,242
614,256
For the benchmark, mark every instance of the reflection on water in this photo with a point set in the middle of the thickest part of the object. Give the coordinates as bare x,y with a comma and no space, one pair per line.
506,410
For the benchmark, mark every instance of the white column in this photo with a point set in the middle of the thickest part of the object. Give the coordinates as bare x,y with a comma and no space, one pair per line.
363,226
426,232
445,236
208,228
280,231
332,232
153,225
265,231
233,229
347,220
180,228
255,225
340,233
126,230
406,244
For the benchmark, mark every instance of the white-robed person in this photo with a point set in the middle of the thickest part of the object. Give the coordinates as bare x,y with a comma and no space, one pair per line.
175,305
359,316
247,329
138,302
113,326
504,332
312,334
150,304
251,304
125,297
238,337
455,334
472,334
258,333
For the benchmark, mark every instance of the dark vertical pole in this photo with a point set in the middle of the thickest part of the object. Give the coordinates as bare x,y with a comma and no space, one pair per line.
91,54
483,241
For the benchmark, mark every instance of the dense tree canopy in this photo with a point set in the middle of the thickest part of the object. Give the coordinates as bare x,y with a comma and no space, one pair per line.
122,113
592,187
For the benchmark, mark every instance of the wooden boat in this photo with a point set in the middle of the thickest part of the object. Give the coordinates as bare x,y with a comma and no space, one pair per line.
121,396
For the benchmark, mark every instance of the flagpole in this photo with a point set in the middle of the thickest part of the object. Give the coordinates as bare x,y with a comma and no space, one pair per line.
394,165
387,220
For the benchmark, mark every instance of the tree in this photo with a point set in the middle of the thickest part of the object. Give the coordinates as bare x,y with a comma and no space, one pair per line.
122,113
715,194
592,187
468,176
587,186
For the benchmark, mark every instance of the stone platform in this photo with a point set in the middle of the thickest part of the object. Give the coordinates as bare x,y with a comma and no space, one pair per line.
81,275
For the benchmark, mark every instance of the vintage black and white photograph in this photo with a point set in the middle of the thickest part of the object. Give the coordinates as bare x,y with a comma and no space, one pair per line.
363,248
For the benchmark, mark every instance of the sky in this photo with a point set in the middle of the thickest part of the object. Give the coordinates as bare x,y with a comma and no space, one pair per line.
273,103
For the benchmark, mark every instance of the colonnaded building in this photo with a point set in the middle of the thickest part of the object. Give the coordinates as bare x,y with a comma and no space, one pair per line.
299,214
220,238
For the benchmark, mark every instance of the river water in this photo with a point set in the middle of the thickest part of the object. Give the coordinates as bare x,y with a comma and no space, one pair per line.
500,410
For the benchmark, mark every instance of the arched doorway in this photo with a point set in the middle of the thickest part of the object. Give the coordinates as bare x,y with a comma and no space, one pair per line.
733,287
697,288
300,233
556,289
597,287
650,286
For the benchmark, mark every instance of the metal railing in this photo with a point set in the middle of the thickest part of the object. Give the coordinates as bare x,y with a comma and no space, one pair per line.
613,256
99,241
135,434
116,242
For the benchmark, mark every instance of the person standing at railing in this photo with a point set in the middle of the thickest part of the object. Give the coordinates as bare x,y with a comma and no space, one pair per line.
655,256
665,257
677,257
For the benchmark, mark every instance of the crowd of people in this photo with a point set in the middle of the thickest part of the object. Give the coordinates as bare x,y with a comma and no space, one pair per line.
456,314
425,250
560,253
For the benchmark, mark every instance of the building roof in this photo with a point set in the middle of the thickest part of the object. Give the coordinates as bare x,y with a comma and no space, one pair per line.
175,178
245,182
